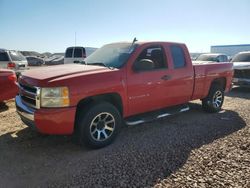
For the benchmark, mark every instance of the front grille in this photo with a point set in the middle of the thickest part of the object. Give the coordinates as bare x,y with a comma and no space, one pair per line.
29,88
245,73
29,95
22,65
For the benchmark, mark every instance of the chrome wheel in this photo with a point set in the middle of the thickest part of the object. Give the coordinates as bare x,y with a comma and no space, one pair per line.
102,126
217,99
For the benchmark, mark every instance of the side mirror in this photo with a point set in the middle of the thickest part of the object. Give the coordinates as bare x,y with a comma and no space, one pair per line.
143,65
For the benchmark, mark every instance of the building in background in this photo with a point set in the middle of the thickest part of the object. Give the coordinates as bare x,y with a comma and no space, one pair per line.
230,50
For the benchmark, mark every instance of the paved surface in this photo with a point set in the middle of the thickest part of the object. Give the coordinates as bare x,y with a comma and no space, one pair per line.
193,149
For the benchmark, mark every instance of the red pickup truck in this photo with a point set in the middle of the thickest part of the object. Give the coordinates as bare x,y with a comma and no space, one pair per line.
120,81
8,86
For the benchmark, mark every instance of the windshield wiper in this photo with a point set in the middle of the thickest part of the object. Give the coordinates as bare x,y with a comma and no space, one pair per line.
100,64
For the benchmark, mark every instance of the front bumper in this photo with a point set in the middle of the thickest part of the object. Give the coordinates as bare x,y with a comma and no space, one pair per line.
241,82
58,121
26,114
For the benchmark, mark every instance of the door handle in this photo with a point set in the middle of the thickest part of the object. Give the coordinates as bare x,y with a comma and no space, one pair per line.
166,77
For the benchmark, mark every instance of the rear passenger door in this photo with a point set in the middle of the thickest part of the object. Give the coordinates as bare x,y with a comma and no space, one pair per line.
4,60
179,87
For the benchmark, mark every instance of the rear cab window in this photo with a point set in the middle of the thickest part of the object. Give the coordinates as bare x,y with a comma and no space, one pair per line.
69,53
4,56
178,56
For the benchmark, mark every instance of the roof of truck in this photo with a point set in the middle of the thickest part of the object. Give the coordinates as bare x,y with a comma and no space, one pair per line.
147,42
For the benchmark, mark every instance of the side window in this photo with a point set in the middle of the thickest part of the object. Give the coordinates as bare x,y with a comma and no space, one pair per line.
225,59
78,52
69,52
154,56
219,59
178,57
4,56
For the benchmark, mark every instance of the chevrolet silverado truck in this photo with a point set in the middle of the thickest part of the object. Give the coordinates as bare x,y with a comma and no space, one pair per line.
120,82
241,65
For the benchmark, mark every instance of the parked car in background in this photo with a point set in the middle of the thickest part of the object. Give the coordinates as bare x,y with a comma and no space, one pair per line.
34,61
194,55
119,81
11,59
212,58
75,54
8,85
241,65
54,60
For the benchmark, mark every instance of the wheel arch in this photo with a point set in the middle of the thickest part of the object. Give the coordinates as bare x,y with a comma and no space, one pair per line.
219,81
113,98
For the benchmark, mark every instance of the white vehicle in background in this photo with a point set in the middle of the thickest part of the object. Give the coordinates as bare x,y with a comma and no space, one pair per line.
75,54
11,59
241,65
212,57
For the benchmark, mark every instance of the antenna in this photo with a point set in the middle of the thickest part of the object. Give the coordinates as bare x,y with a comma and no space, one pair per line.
135,40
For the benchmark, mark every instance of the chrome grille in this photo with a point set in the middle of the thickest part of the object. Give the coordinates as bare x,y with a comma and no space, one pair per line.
30,95
245,73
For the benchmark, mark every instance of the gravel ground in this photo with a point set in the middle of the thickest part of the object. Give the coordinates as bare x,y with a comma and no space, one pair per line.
193,149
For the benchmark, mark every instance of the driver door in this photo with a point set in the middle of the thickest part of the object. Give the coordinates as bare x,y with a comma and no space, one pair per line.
146,87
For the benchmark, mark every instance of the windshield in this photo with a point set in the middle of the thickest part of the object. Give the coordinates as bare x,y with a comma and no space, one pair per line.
244,57
206,57
111,55
16,56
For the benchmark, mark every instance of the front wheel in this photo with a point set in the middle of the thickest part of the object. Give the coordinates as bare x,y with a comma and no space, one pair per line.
99,125
214,101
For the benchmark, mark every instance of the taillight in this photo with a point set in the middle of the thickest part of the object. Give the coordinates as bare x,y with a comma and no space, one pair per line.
11,65
12,77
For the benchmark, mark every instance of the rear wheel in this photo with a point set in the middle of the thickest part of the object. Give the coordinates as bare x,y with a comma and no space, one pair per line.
214,101
99,125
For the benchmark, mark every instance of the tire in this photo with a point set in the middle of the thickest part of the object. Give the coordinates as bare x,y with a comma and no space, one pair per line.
214,101
99,125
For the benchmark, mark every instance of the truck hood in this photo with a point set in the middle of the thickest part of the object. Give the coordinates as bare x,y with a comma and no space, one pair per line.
241,65
48,74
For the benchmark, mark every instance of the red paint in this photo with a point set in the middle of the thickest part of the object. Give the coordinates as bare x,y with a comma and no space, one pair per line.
140,92
8,87
55,121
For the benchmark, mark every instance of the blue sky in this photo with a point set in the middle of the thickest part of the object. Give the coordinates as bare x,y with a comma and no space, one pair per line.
50,25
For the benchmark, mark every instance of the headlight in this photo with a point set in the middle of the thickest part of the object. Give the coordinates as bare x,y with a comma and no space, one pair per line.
55,97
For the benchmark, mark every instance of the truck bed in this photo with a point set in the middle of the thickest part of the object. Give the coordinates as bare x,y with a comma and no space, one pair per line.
206,72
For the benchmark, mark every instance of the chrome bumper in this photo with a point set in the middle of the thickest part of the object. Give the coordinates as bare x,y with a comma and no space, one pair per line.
241,82
24,111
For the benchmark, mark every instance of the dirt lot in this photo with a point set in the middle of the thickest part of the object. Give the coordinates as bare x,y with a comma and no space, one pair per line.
193,149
